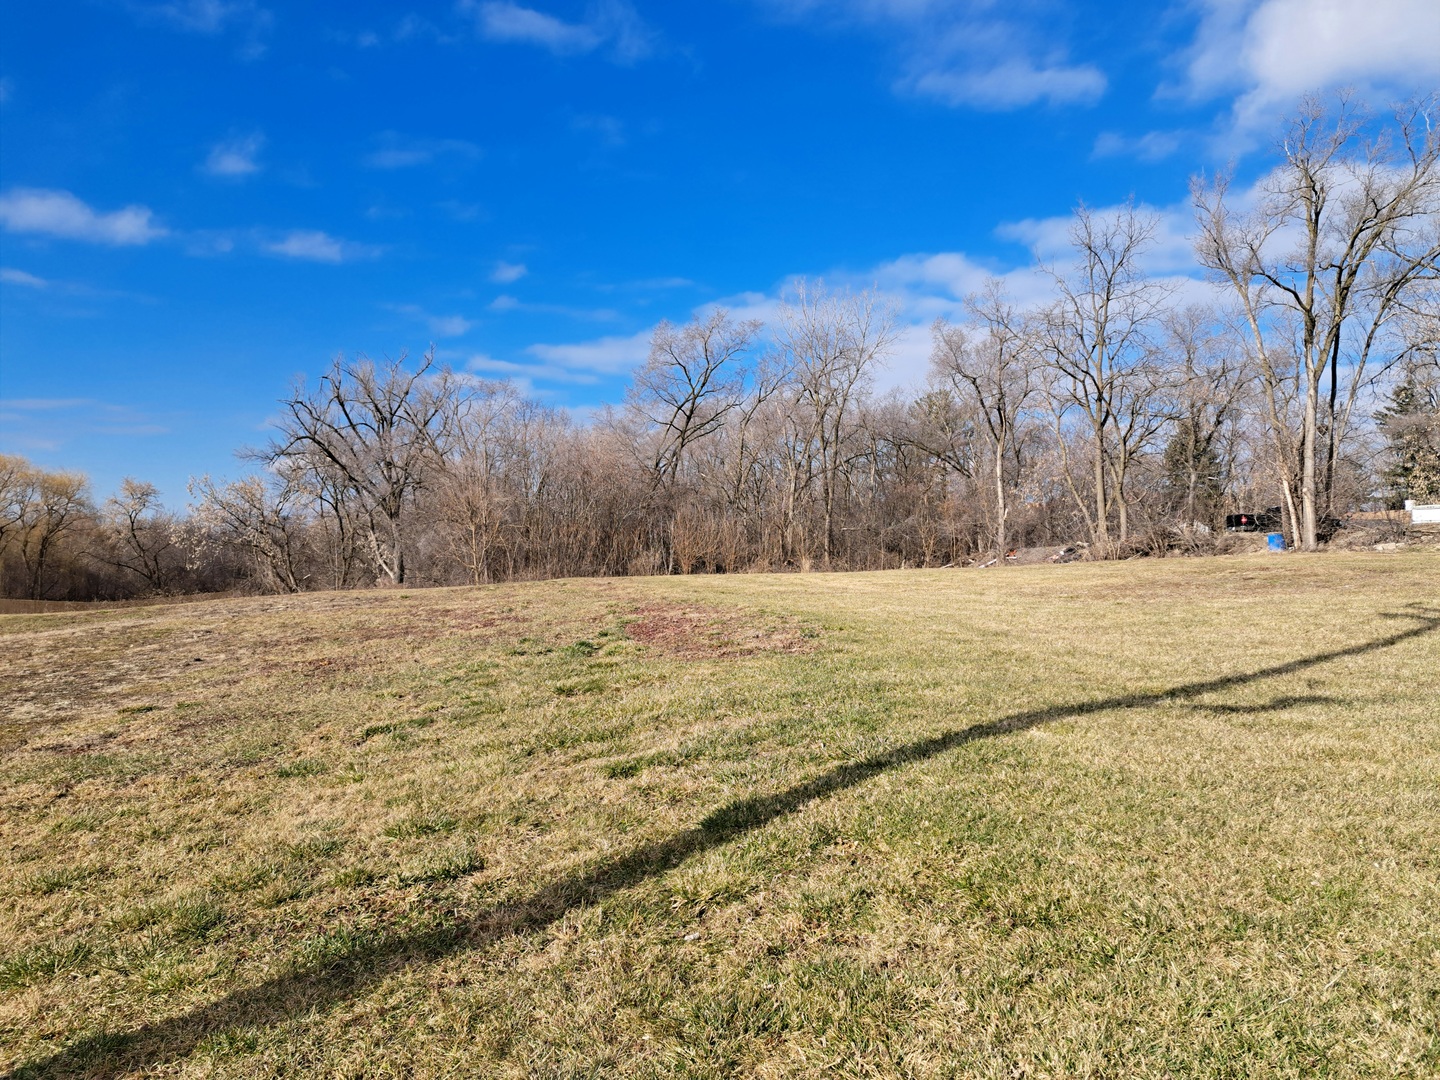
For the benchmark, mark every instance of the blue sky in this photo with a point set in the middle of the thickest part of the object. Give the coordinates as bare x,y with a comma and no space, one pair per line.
202,199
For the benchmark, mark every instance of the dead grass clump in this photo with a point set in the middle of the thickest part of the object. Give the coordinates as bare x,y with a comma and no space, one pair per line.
690,633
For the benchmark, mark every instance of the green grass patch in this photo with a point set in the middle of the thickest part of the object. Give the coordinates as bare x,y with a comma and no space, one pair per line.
302,767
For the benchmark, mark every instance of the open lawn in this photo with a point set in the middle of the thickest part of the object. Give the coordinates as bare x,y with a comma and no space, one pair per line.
1148,819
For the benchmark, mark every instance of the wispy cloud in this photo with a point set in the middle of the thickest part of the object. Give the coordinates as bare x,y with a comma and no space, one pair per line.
609,130
1270,52
53,287
505,273
969,53
202,16
409,27
1152,146
525,375
211,17
396,151
462,211
441,326
502,20
62,215
662,283
312,245
11,276
235,157
33,422
606,356
44,404
48,212
1170,252
647,285
611,25
1013,84
505,303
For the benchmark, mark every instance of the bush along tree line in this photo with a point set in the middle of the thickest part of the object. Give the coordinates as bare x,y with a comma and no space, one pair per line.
1111,415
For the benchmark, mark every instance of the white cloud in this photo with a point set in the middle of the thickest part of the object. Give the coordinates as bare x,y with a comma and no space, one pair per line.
202,16
929,286
449,325
10,276
1152,146
1170,252
463,211
607,355
441,326
525,375
505,302
924,286
613,24
660,283
505,273
609,130
502,20
235,157
1274,51
414,26
908,362
1011,85
33,421
45,404
966,52
312,245
59,213
211,17
395,151
210,243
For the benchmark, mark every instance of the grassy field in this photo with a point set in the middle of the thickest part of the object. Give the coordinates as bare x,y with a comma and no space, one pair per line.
1151,819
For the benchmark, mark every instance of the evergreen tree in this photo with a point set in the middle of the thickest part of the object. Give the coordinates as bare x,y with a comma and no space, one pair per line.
1194,477
1411,423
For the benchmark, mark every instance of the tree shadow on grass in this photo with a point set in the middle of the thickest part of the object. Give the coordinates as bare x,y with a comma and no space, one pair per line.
304,990
1279,704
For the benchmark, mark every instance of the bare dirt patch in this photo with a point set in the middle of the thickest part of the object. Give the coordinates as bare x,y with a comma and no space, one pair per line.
693,633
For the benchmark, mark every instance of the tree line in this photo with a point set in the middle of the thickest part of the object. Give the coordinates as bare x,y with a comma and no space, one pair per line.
1111,415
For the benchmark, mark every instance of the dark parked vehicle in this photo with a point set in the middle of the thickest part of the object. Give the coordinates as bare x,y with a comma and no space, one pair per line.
1269,521
1273,521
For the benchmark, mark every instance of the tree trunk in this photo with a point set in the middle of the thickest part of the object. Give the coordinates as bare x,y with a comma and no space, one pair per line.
1102,508
1308,524
1000,507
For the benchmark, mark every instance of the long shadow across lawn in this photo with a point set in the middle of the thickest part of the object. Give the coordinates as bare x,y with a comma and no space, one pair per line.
304,990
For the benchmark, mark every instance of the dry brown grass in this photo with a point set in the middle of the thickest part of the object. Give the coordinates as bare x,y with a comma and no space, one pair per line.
1154,819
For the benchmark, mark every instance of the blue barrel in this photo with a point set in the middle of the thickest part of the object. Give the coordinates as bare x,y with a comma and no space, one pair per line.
1276,541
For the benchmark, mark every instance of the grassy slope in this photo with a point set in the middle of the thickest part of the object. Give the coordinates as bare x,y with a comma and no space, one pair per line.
1147,819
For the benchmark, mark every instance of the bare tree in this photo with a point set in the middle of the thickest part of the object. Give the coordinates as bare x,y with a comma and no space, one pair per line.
381,431
994,368
474,503
1340,234
263,518
1213,379
693,379
831,343
141,537
1097,335
40,509
16,479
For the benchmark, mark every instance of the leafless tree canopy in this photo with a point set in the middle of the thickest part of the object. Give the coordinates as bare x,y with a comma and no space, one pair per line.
1342,243
1112,416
